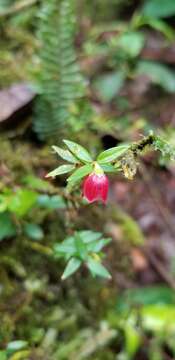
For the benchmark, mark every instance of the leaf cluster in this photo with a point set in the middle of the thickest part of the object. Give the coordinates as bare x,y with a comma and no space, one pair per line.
83,247
16,211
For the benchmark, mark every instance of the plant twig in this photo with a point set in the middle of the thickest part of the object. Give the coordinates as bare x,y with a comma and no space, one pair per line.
139,146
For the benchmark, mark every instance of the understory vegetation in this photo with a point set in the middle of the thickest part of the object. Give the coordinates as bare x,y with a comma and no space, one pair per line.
87,87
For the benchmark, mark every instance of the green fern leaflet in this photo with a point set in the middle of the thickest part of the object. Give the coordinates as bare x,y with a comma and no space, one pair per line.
61,84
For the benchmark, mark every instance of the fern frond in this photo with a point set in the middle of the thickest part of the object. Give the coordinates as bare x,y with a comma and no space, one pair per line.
61,83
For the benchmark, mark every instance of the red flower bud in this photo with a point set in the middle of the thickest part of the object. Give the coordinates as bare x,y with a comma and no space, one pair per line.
95,187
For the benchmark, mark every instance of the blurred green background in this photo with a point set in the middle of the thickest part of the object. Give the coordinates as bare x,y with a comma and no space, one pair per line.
99,72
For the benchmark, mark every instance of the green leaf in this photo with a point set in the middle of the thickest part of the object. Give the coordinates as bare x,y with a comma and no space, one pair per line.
159,8
7,228
36,183
108,168
80,174
22,201
33,231
65,154
149,295
160,74
89,236
3,203
96,268
51,202
80,153
81,248
63,169
72,266
112,154
132,339
160,25
158,318
3,355
65,248
80,244
97,246
109,85
167,150
132,43
17,345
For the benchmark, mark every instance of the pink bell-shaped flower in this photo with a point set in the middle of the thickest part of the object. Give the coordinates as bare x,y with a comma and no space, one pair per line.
96,185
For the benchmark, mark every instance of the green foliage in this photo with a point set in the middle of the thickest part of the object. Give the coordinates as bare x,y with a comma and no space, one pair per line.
60,83
63,169
167,150
36,216
84,247
33,231
108,85
51,202
16,207
5,4
81,153
112,154
79,174
159,8
120,158
139,297
3,355
65,154
131,43
22,201
159,74
149,309
72,266
15,350
17,42
100,9
7,227
130,228
15,346
36,183
97,269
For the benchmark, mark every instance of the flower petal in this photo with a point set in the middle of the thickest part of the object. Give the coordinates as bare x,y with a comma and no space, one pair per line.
90,188
103,189
95,187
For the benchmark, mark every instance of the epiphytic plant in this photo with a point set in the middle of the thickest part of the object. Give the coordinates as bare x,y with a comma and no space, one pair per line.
85,246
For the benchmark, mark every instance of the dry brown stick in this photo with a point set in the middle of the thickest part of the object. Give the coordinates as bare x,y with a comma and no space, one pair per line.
23,4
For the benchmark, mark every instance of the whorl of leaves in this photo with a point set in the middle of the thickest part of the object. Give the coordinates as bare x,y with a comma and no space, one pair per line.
60,80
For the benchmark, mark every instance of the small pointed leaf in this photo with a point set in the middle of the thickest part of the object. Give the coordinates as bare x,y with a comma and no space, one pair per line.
17,345
33,231
90,236
80,246
108,168
63,169
80,174
97,246
64,249
112,154
65,154
96,268
72,266
80,153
